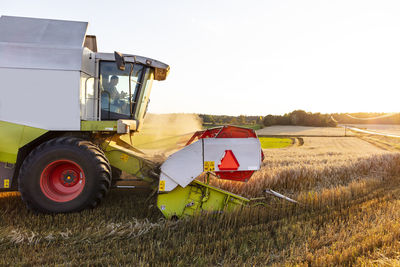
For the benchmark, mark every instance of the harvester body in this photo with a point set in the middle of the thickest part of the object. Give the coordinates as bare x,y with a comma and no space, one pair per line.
63,109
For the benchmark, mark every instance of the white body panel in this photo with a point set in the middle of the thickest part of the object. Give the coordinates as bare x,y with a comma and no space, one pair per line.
44,71
246,150
46,99
185,165
28,57
48,32
41,43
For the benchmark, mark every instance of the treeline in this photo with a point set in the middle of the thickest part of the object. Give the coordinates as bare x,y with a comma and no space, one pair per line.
300,118
235,120
367,118
297,117
303,118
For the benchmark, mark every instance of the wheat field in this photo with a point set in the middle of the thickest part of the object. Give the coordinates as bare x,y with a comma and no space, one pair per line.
348,191
321,162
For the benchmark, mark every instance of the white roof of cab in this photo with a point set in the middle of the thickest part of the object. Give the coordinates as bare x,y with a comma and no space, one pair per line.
41,43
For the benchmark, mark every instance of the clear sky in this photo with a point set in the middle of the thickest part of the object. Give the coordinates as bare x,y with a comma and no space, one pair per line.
250,57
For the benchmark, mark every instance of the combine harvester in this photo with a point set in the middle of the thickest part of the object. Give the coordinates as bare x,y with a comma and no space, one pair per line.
66,109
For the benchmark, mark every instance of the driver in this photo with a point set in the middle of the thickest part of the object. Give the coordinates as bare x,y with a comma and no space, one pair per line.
116,98
111,88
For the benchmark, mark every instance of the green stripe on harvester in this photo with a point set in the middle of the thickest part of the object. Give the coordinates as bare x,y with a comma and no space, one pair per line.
14,136
99,125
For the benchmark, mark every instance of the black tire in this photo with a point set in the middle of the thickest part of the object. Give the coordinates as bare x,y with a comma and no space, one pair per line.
94,171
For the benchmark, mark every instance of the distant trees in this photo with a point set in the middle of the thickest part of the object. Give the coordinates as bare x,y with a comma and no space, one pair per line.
303,118
300,118
296,117
236,120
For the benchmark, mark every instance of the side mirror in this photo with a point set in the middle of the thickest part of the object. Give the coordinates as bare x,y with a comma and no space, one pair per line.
119,60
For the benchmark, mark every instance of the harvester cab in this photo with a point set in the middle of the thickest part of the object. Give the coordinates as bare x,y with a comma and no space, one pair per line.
124,83
64,110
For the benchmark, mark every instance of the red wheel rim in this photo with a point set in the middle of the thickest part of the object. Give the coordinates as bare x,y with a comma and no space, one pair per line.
62,180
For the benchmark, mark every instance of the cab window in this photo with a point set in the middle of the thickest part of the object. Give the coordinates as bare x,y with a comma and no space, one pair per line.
114,86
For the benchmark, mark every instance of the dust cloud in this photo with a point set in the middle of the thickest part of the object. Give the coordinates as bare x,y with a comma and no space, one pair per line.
163,134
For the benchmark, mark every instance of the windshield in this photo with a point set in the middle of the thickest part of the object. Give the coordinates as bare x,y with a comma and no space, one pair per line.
114,86
144,96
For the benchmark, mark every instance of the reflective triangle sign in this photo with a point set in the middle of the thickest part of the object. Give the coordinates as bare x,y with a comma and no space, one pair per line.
229,162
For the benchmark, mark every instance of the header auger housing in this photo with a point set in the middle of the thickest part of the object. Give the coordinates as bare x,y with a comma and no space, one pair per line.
64,109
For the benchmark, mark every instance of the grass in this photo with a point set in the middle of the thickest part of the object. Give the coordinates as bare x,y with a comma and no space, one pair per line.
272,142
349,214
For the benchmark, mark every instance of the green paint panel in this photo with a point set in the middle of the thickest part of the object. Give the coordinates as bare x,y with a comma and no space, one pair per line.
198,197
128,161
99,125
13,136
29,134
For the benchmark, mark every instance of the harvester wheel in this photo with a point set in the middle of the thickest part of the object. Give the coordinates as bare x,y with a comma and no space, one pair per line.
65,174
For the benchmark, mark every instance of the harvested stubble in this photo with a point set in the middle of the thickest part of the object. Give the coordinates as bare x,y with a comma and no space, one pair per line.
320,163
351,221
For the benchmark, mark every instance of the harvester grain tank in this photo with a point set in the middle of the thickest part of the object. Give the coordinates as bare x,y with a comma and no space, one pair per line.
65,110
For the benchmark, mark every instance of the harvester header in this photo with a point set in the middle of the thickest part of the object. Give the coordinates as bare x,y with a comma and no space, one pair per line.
231,153
228,152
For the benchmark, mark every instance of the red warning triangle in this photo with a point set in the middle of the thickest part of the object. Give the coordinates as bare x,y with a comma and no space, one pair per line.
229,162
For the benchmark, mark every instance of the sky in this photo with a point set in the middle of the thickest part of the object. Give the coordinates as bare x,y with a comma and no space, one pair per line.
250,57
